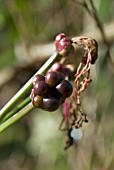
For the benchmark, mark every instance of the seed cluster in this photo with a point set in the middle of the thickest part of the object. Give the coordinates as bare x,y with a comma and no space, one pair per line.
50,92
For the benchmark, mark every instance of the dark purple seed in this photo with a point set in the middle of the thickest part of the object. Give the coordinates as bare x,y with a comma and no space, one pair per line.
58,38
56,66
37,78
53,78
51,104
65,88
66,71
37,101
53,93
40,88
63,44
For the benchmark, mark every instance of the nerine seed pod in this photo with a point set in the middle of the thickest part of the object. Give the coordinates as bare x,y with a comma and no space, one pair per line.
58,38
63,45
56,67
37,78
37,101
51,104
53,78
65,88
40,88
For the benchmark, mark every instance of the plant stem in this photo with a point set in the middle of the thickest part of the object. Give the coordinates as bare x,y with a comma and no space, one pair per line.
16,117
55,56
17,109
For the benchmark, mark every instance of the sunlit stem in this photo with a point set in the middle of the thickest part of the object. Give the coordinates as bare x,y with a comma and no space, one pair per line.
27,109
16,109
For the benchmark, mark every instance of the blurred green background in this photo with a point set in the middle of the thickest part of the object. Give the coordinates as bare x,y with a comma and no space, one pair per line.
27,32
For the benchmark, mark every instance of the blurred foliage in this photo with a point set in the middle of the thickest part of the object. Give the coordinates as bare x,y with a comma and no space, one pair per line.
106,6
35,142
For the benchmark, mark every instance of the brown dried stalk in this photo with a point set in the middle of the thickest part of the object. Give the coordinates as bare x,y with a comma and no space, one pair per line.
73,114
82,76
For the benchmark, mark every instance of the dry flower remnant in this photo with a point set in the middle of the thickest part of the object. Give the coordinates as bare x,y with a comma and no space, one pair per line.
56,89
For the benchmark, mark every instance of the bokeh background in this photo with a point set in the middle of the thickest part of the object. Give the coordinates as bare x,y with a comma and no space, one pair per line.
27,32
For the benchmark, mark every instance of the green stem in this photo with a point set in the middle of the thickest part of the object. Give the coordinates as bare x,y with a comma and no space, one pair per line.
27,86
17,109
16,117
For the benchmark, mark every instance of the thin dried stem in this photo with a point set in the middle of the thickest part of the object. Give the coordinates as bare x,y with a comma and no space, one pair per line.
93,13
